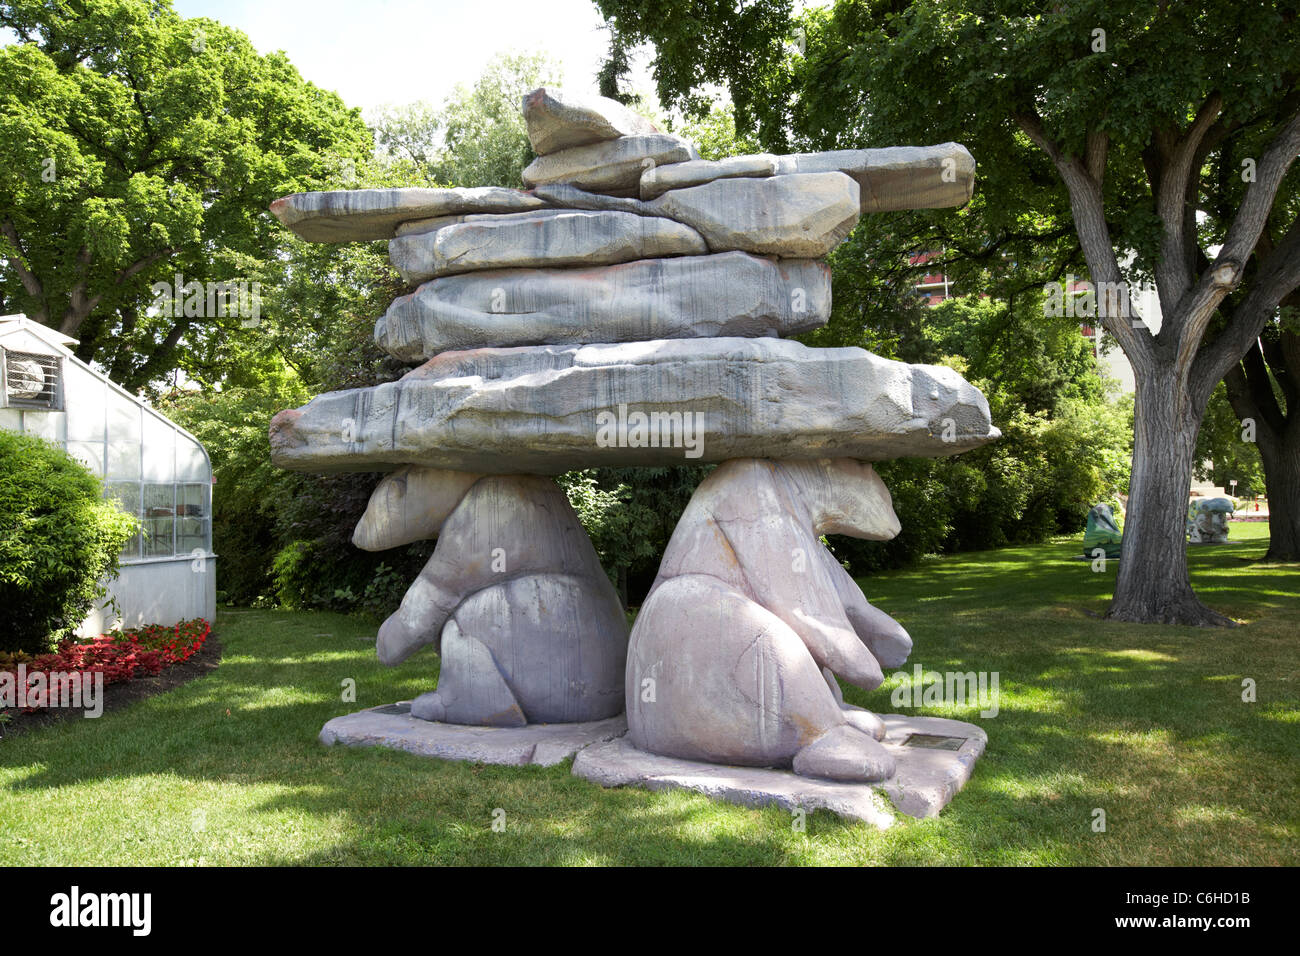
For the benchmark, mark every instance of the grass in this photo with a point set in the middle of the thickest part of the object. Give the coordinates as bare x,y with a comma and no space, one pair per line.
1147,723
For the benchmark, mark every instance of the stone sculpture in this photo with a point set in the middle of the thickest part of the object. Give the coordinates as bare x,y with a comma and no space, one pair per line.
508,548
746,567
1207,520
627,309
1101,531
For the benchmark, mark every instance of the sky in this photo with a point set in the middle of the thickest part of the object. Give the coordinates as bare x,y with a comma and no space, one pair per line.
373,52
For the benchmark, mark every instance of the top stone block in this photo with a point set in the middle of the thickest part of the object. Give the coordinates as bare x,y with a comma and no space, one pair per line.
558,120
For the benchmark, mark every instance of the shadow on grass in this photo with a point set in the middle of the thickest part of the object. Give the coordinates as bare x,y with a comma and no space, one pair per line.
1146,723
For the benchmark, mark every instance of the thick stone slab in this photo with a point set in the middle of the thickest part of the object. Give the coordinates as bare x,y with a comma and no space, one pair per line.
545,410
925,782
732,293
550,238
798,216
612,167
900,177
361,215
393,726
557,119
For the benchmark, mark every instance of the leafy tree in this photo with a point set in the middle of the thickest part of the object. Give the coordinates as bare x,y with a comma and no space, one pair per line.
136,146
1065,446
1265,396
1165,129
1221,453
478,137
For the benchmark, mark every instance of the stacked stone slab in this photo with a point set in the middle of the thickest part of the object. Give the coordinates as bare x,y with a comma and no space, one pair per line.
629,308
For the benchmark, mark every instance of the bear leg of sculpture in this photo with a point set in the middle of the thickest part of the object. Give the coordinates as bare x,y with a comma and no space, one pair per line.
536,630
471,688
549,639
714,676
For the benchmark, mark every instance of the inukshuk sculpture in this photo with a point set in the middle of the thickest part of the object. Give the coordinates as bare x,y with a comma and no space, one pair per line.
628,308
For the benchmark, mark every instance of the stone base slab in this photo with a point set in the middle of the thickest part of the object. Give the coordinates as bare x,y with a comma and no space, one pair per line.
927,778
393,726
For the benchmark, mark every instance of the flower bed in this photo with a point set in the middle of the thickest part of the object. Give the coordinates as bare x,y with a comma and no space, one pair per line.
119,655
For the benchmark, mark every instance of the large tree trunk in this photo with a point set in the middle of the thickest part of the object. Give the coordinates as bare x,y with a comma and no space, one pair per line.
1281,456
1153,585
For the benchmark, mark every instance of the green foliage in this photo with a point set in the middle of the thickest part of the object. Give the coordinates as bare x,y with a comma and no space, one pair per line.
248,491
1064,445
59,539
477,137
136,145
1221,453
715,134
629,514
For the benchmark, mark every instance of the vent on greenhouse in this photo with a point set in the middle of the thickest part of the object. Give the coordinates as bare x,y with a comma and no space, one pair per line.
31,380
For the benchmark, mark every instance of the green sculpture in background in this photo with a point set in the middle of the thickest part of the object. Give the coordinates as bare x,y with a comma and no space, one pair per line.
1102,532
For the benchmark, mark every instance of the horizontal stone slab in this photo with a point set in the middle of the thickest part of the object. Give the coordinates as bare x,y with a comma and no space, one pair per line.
362,215
925,782
393,726
558,119
548,238
613,167
801,216
564,196
899,177
659,179
730,294
549,409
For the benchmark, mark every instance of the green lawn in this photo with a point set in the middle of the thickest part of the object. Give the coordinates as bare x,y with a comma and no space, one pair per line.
1146,723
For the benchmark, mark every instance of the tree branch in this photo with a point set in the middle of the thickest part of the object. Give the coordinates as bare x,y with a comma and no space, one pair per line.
30,283
1094,235
1278,277
1197,305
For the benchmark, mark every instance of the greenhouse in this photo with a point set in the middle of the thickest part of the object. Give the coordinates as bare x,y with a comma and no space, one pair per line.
152,467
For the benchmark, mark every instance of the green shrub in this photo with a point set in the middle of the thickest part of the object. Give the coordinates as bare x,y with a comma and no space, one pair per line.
59,540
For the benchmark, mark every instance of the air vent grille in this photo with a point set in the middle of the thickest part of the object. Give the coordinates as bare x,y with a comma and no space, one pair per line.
31,380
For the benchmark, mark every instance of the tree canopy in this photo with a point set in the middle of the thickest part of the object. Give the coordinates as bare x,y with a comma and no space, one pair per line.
1139,138
135,147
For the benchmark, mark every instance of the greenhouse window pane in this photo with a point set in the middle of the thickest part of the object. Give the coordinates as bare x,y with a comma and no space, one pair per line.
191,463
159,520
159,450
83,401
193,523
123,419
127,496
47,425
91,454
124,460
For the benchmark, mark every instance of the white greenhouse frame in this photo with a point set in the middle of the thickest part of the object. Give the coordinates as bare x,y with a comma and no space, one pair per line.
157,470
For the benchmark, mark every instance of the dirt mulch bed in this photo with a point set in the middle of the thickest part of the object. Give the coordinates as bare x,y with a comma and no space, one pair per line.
117,696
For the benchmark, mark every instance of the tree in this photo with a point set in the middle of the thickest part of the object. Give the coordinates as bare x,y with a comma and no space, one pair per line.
477,137
136,146
1265,396
1164,129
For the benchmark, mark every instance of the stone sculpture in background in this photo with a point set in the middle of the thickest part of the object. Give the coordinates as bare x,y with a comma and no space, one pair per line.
1102,531
1207,520
627,309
